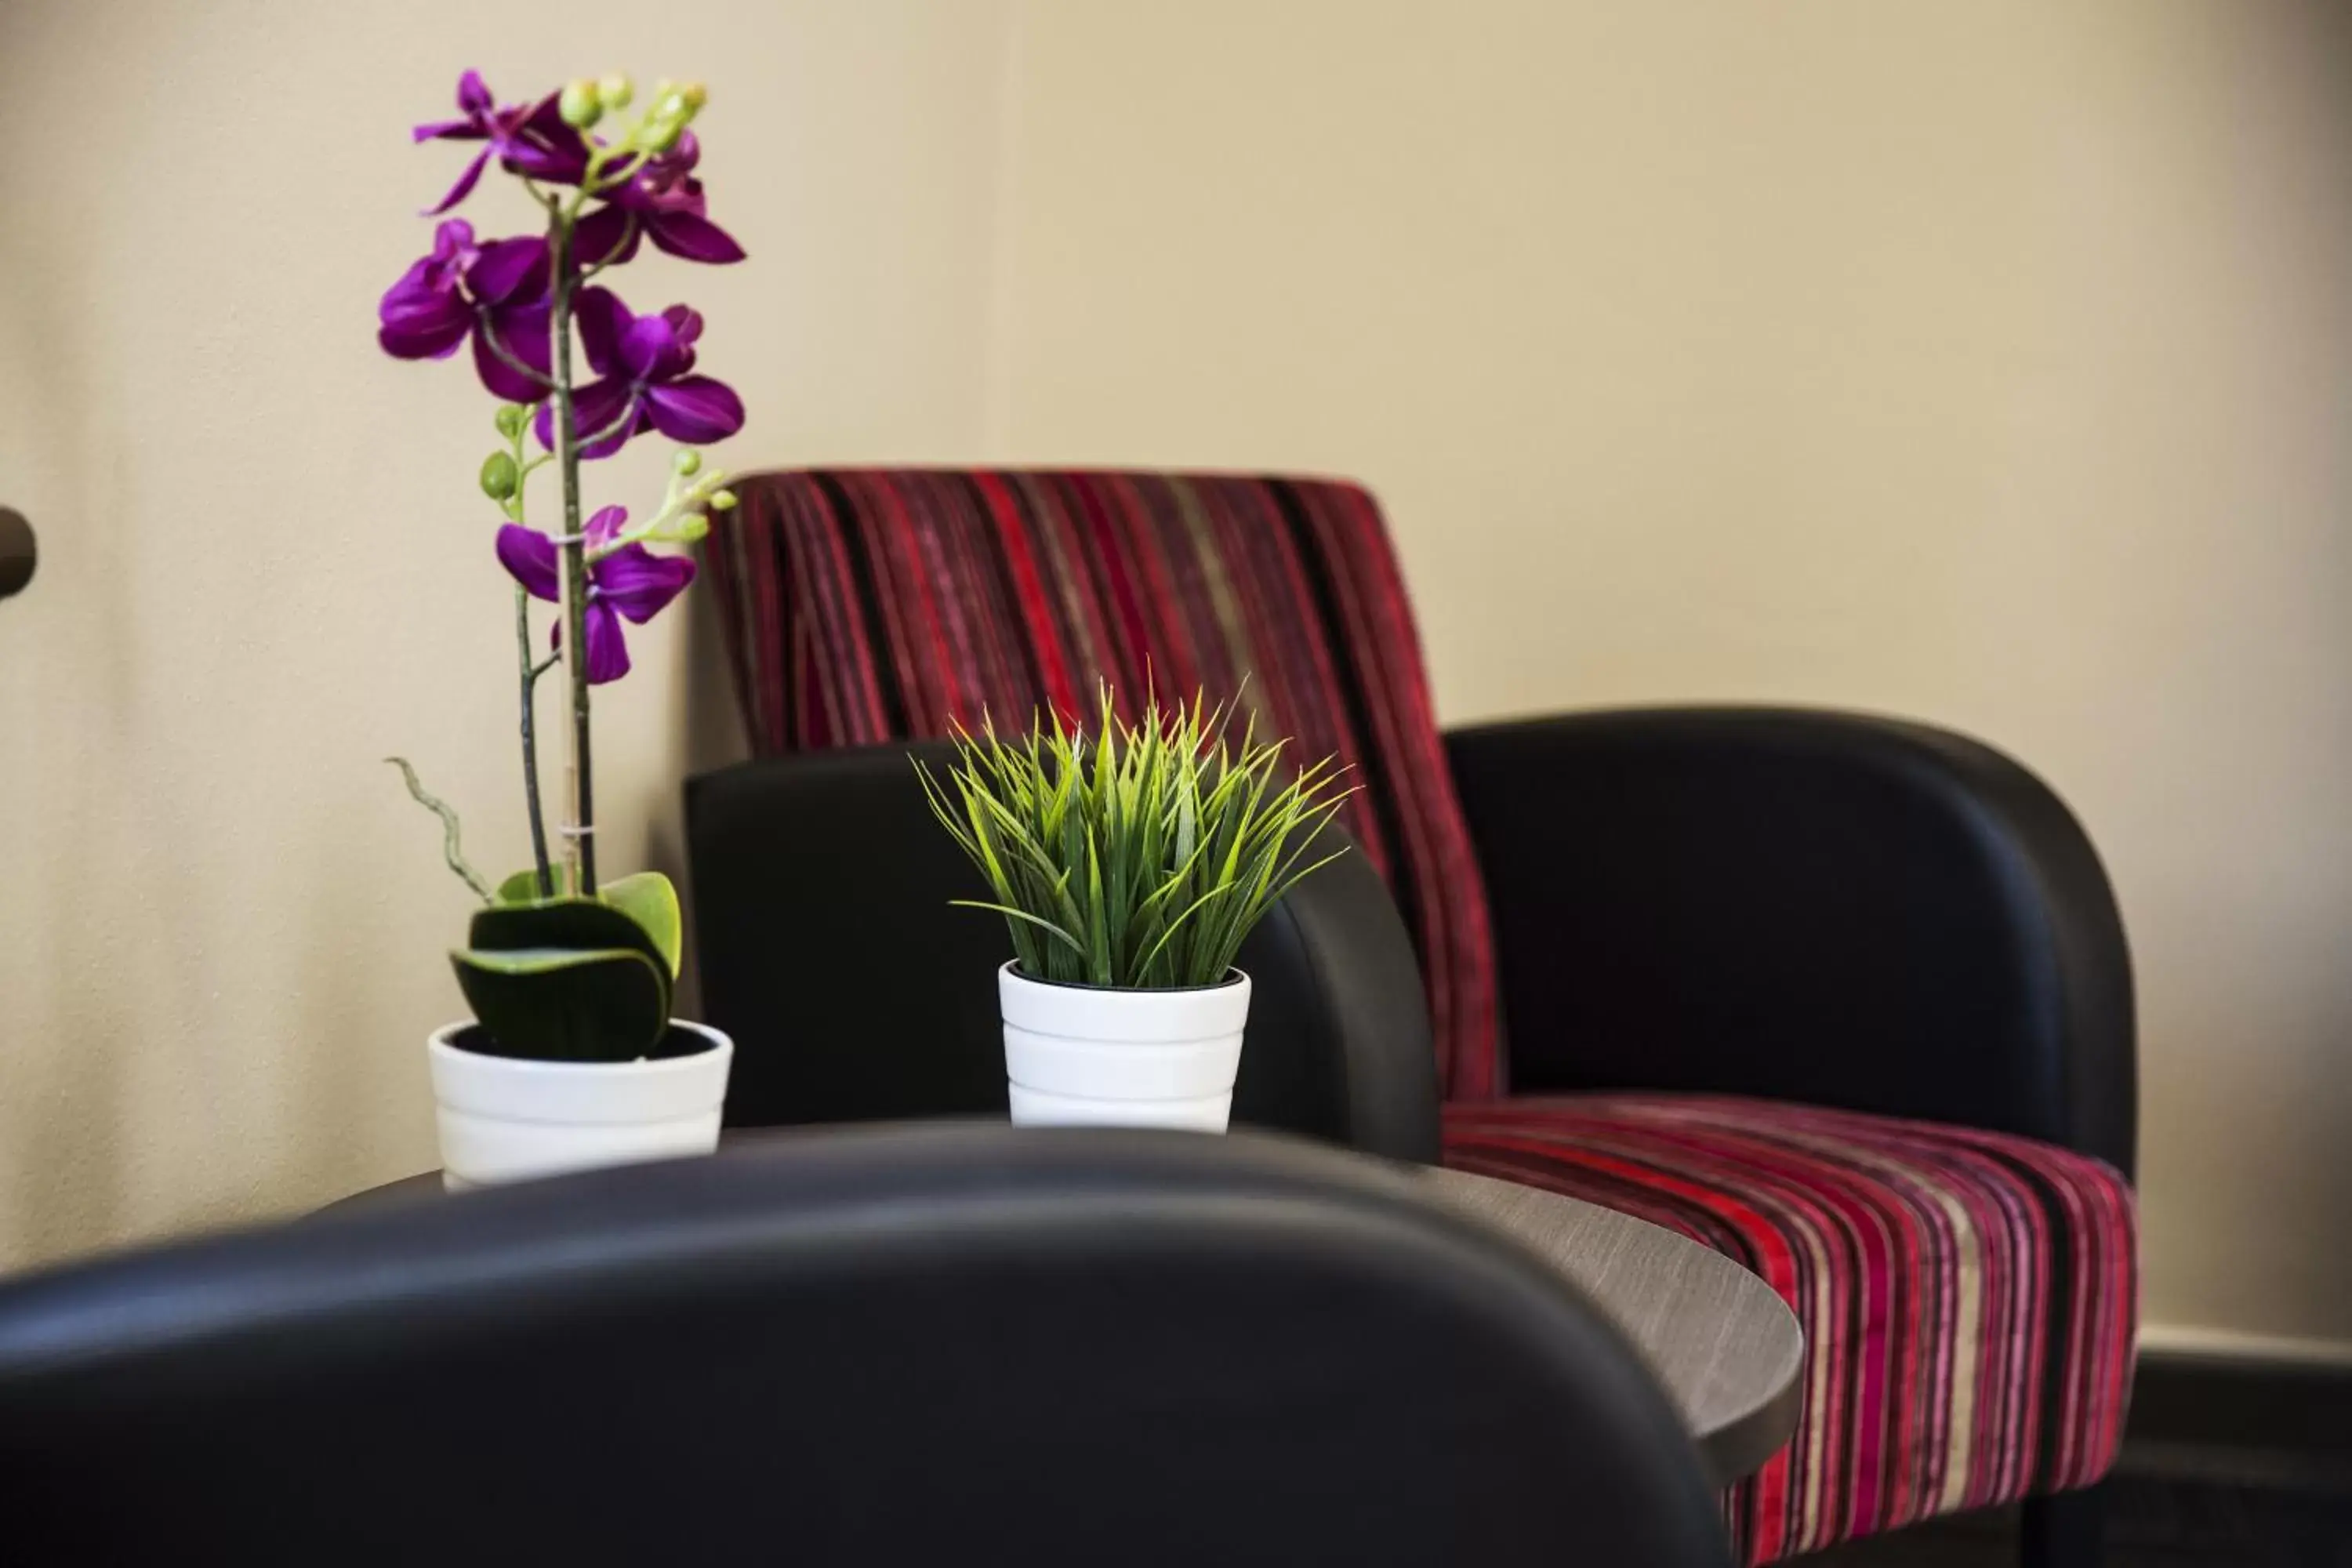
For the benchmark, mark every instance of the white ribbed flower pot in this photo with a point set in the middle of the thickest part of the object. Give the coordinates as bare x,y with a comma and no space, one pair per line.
1088,1056
504,1119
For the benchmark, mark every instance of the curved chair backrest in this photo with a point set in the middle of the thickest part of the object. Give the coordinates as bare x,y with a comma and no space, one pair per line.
868,606
1865,913
898,1346
815,876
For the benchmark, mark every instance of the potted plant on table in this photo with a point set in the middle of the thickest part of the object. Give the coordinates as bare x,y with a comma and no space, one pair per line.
1128,865
572,1057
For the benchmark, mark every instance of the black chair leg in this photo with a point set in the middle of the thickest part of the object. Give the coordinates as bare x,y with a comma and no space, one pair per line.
2066,1530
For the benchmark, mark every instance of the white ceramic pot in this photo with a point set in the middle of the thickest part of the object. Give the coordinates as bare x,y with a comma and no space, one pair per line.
507,1120
1090,1056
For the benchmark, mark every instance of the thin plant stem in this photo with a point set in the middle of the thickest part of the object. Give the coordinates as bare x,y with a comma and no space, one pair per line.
578,834
515,506
530,673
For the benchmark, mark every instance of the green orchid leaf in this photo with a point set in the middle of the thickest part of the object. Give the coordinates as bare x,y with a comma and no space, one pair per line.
522,888
579,925
648,898
566,1004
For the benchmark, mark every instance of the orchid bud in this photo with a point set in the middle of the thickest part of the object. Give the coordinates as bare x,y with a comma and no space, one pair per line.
695,526
658,134
722,501
696,96
511,418
498,476
686,463
580,105
615,92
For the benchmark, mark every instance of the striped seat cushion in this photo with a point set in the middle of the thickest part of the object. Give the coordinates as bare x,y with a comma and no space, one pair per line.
1967,1297
876,604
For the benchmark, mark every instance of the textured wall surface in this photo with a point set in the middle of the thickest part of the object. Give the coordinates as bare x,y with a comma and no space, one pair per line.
266,564
1987,360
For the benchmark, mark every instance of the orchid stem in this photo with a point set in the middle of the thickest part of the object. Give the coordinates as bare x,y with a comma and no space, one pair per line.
579,833
531,674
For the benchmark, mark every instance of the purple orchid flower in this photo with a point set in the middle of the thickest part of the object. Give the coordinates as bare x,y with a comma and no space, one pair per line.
631,582
643,364
497,293
530,138
663,202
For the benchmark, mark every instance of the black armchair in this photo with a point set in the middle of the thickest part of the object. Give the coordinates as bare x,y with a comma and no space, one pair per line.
1845,998
909,1346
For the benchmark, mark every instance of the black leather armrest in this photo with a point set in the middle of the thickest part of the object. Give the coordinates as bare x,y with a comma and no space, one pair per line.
853,992
1821,907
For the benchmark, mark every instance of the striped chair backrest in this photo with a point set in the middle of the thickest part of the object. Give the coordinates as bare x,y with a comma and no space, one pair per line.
864,606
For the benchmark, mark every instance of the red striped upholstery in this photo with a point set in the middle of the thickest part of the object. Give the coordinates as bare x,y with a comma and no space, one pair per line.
883,604
1968,1298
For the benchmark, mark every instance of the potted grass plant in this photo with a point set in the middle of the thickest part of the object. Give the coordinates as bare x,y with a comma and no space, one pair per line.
1128,866
572,1057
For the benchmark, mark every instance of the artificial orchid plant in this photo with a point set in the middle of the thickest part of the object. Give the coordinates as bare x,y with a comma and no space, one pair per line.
557,964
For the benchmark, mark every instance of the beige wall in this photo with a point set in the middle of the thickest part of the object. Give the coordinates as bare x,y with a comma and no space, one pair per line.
1984,360
1989,361
221,921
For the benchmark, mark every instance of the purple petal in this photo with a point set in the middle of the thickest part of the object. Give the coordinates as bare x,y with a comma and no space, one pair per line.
505,267
522,331
695,238
547,166
696,410
415,288
603,318
608,650
447,131
600,528
415,343
651,349
420,324
474,94
465,186
539,144
640,584
606,405
528,557
594,406
454,251
418,279
605,237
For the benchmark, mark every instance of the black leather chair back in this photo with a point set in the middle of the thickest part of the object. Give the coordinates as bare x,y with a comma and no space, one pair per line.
943,1344
1828,908
829,951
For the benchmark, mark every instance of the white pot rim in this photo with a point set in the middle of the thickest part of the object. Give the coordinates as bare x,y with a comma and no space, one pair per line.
443,1043
1107,1014
1233,976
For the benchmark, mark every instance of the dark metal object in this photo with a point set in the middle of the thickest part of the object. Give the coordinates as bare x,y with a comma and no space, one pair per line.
17,552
